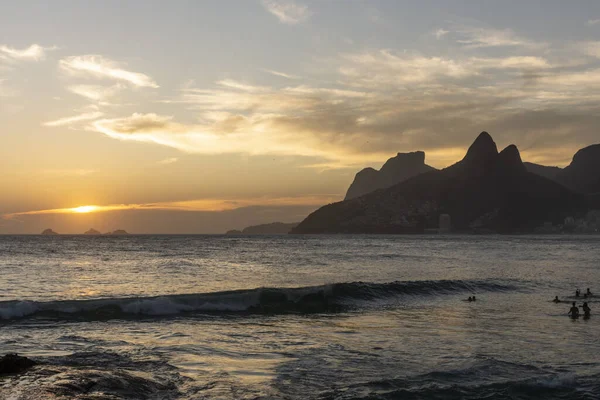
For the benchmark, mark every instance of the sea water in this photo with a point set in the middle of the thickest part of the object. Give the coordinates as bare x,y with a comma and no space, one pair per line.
300,317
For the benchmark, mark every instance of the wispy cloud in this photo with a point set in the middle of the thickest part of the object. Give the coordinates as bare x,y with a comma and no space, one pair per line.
232,84
281,74
473,37
88,116
440,33
94,92
287,11
168,161
35,52
592,22
590,48
206,205
103,68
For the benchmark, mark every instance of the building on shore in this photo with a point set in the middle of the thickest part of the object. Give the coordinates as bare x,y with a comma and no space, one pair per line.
445,223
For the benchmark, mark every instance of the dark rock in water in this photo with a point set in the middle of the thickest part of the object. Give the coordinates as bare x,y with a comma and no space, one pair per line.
484,192
395,170
15,364
49,232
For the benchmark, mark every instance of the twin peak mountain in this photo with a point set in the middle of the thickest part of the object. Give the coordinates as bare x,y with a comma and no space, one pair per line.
486,191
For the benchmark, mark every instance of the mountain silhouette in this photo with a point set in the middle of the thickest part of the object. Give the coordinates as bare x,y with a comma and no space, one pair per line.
486,191
274,228
92,232
542,170
583,174
49,232
397,169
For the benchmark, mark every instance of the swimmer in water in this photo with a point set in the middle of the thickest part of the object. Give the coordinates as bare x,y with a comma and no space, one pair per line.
588,292
470,298
577,292
474,299
586,310
556,300
574,311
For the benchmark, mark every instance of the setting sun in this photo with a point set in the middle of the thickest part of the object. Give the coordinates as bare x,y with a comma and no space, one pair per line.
84,209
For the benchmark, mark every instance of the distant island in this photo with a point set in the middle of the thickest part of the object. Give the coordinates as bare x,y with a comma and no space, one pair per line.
275,228
94,232
487,191
49,232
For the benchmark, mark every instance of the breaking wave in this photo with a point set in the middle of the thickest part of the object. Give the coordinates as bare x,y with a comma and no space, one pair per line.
335,297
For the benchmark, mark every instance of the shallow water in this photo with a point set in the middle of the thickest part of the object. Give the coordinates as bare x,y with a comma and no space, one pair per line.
295,317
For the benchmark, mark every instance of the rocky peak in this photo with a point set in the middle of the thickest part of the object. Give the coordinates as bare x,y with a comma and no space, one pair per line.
509,160
483,148
587,157
395,170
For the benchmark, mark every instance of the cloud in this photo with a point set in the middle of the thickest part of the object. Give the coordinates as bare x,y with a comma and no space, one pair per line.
35,52
593,22
75,119
94,92
232,84
590,48
287,11
206,205
473,37
440,33
386,67
281,74
168,161
382,101
103,68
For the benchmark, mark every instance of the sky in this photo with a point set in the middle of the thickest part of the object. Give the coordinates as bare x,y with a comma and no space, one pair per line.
204,116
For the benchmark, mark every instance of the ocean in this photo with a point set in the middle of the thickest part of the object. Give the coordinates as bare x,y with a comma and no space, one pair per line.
300,317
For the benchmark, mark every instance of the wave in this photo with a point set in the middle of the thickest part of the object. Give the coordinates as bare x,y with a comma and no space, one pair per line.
335,297
485,379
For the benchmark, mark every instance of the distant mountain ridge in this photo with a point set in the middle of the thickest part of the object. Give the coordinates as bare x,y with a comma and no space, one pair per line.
582,175
397,169
274,228
487,190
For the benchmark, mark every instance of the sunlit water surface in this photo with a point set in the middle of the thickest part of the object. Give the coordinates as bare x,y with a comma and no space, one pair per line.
187,317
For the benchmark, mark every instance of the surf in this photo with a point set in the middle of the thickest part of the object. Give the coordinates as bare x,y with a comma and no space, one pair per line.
330,298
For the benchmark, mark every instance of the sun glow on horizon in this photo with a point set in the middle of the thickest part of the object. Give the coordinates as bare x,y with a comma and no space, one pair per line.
84,209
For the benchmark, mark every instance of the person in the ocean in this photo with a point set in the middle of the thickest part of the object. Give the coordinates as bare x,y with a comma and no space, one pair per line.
577,292
586,309
588,292
474,298
470,298
574,311
556,300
